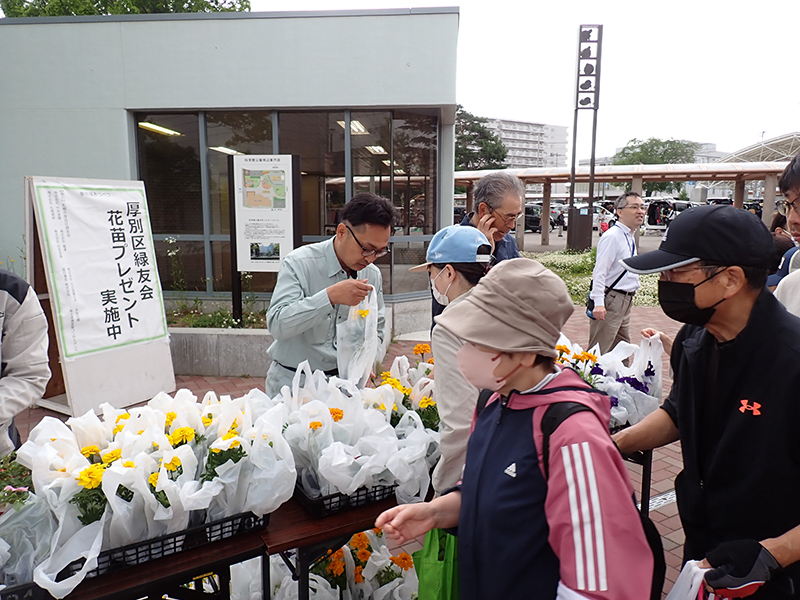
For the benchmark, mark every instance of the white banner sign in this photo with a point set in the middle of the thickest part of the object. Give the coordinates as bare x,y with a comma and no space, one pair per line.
101,265
264,213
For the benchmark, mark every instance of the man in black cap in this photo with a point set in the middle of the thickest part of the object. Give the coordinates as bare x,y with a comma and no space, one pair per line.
733,402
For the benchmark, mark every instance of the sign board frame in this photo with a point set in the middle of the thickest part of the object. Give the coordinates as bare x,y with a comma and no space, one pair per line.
86,372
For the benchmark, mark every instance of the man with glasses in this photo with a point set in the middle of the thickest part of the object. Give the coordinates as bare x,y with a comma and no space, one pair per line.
733,403
788,290
316,284
613,288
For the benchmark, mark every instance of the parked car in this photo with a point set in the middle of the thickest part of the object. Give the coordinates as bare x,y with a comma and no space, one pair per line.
533,218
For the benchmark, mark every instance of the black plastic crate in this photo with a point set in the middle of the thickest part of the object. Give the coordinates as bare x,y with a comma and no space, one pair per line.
116,559
25,591
324,506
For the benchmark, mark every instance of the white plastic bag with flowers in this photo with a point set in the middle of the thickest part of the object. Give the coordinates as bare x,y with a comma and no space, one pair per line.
357,341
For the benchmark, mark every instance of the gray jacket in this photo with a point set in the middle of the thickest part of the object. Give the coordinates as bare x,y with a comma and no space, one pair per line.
24,371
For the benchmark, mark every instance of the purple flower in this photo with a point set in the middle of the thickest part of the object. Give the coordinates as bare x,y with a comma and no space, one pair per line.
596,370
649,371
614,402
634,383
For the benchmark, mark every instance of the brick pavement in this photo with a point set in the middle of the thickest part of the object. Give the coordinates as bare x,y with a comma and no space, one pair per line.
666,461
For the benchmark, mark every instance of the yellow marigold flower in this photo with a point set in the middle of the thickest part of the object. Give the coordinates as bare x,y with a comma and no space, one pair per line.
91,476
359,541
234,444
155,446
111,456
422,349
386,375
173,464
64,470
117,429
171,416
216,450
406,391
382,406
426,402
357,576
52,439
363,555
153,479
363,313
403,560
140,432
207,420
88,451
315,425
229,435
430,360
562,349
122,417
182,435
129,464
337,414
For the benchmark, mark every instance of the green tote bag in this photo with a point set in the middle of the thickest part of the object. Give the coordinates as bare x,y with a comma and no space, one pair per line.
437,566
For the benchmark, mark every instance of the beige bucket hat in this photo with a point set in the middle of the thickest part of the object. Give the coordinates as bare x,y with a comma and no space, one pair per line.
519,306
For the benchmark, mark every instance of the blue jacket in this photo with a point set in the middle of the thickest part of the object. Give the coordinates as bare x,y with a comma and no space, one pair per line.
504,249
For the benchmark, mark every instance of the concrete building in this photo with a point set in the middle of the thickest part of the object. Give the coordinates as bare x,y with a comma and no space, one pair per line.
531,144
165,98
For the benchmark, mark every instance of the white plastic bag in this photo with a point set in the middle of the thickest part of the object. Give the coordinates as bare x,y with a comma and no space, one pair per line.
28,533
689,582
357,341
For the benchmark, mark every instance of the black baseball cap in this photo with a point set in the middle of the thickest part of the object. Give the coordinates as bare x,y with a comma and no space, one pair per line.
718,234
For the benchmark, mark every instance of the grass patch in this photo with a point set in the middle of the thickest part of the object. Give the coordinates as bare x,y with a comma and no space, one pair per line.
575,268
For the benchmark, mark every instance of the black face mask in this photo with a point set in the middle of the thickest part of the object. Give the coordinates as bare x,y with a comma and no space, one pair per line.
677,302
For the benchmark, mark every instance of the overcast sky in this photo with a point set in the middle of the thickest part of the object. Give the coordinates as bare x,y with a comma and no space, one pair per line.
702,70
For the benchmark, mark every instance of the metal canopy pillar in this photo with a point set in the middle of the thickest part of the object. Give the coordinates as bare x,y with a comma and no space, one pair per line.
738,193
545,220
587,97
770,183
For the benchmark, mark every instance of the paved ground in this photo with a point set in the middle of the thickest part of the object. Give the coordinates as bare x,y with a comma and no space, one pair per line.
666,461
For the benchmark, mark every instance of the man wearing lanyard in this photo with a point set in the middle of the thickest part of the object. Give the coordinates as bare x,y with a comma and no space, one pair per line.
612,286
319,281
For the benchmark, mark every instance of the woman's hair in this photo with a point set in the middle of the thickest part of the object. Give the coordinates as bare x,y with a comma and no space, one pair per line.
546,361
778,220
472,272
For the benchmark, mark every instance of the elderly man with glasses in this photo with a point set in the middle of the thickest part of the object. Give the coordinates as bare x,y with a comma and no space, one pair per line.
613,288
733,403
788,290
319,281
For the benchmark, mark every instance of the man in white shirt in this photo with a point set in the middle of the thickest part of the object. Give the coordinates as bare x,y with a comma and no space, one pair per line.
789,184
613,287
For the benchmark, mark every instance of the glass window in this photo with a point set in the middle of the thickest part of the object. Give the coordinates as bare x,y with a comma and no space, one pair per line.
232,133
181,265
221,258
169,165
415,166
318,137
371,145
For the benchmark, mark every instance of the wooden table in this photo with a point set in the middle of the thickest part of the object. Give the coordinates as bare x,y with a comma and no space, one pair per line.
291,526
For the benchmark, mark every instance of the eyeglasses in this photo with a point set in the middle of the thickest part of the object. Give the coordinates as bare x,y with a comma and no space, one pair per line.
634,206
366,251
510,219
668,275
784,207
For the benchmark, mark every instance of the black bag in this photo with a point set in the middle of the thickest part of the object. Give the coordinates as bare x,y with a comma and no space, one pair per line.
590,302
556,414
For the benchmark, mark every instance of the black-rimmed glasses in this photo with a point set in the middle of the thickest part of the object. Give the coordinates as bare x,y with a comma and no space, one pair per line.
366,251
784,207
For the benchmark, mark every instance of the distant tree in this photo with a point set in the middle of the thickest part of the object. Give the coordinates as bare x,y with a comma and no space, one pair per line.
655,151
64,8
477,147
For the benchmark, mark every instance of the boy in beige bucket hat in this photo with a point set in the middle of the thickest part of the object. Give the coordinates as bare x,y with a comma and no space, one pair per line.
560,526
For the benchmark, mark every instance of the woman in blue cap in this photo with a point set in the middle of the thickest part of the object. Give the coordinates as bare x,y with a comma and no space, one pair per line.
457,258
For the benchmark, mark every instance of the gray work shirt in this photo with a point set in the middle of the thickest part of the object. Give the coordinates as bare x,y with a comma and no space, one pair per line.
301,317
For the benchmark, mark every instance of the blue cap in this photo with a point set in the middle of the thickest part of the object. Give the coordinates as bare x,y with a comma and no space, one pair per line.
457,244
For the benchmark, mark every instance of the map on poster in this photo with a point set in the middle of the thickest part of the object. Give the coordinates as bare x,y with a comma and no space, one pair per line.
265,189
264,215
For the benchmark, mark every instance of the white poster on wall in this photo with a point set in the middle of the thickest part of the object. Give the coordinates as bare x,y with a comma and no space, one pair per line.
264,212
100,264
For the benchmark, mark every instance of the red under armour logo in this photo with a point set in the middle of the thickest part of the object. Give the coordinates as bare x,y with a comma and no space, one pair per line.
754,407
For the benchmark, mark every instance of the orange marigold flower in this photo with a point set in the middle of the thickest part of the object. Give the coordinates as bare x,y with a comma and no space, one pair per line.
357,576
562,349
430,360
377,531
359,541
338,555
315,425
338,568
363,555
337,414
422,349
403,560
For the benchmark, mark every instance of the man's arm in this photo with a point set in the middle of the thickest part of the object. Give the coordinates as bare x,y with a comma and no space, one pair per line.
655,430
291,311
26,371
606,256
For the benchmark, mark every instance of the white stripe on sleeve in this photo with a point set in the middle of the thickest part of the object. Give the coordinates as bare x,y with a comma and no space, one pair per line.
586,517
598,517
573,510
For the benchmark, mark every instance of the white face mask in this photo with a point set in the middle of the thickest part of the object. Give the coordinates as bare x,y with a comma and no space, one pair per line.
437,295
